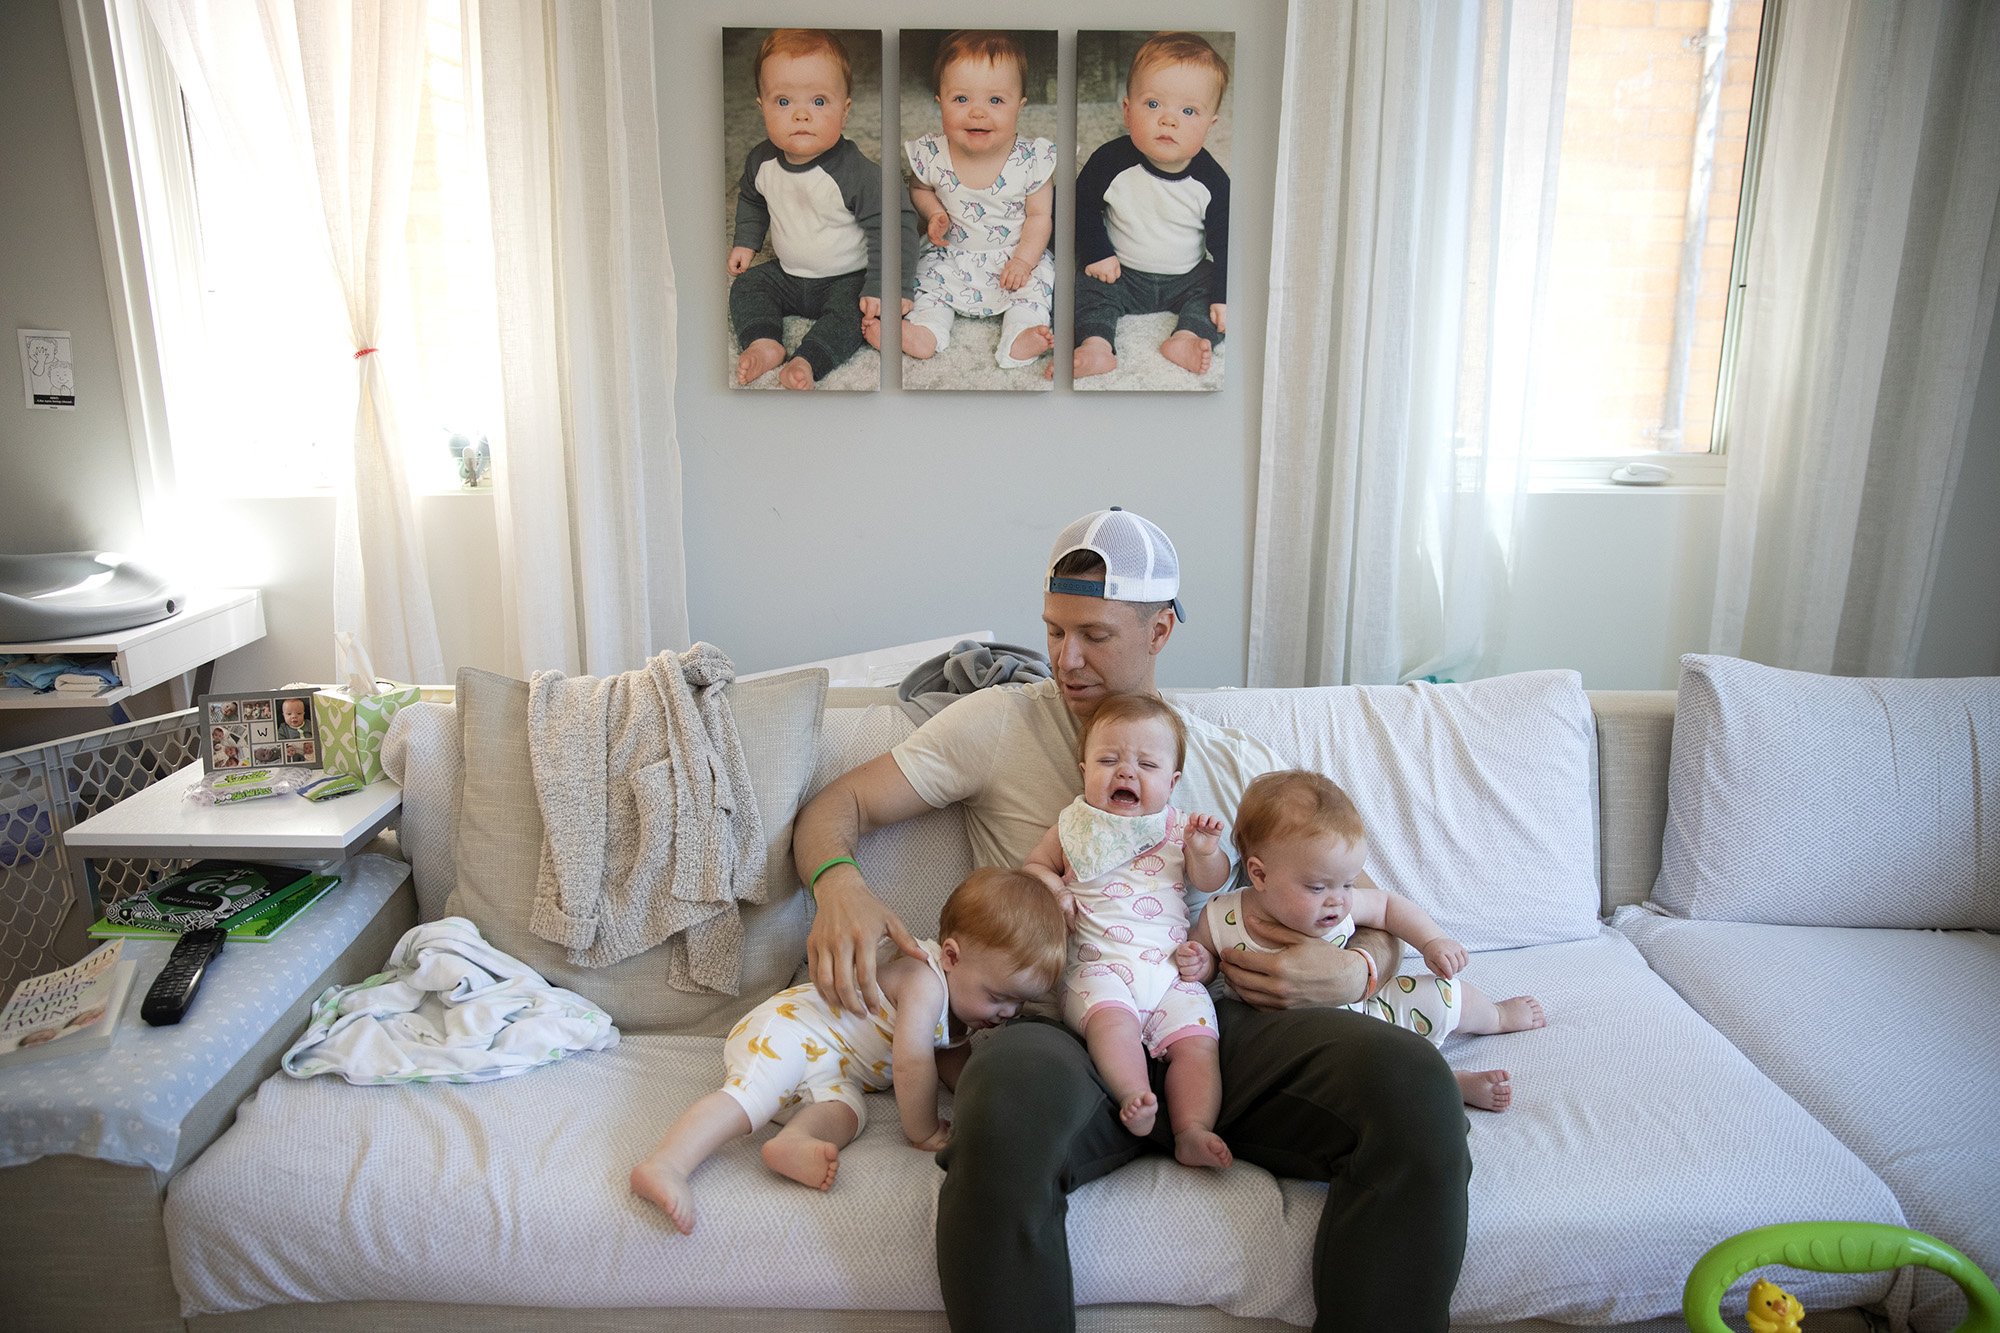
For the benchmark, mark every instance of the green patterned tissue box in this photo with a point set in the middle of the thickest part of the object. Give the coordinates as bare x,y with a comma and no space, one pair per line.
351,730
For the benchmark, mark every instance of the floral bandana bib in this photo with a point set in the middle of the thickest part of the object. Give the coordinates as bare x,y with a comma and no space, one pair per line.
1095,841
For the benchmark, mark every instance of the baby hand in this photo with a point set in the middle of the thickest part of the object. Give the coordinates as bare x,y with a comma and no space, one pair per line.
1194,962
740,257
1104,270
937,1140
1203,833
1218,315
1446,956
939,225
1014,275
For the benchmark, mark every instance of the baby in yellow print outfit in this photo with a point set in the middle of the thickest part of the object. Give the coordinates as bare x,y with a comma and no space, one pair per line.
796,1060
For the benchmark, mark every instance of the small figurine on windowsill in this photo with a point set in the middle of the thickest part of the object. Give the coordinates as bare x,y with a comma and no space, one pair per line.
475,460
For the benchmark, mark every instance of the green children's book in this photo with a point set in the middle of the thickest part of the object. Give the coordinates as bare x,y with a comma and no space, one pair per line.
251,902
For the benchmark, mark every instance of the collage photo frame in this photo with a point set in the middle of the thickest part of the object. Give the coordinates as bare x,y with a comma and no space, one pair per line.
261,729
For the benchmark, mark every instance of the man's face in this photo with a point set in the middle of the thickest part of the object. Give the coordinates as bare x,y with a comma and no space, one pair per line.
1099,647
804,102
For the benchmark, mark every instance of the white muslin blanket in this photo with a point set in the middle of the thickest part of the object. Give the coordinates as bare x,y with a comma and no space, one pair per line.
450,1008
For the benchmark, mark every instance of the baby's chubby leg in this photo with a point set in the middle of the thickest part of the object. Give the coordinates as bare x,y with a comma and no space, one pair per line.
1194,1099
1111,1032
1491,1089
808,1148
662,1178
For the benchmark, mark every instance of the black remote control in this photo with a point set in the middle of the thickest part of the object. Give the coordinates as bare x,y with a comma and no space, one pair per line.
173,990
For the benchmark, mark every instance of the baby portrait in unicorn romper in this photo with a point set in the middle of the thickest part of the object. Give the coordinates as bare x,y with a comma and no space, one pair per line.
984,197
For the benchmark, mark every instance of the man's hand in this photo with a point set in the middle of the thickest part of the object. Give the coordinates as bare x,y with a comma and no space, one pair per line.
1105,270
938,227
1196,963
936,1142
850,924
1297,977
1218,315
1014,275
740,257
1203,834
1446,956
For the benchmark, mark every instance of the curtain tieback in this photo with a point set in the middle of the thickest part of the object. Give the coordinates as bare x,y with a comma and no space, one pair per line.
366,351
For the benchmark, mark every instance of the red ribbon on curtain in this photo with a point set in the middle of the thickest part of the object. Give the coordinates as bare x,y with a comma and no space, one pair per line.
363,352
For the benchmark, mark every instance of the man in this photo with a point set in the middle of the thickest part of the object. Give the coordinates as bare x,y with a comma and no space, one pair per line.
1309,1091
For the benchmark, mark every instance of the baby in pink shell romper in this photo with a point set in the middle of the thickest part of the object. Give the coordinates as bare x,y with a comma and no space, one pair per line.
1118,860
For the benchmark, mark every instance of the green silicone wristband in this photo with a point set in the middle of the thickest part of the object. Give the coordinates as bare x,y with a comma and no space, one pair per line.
828,865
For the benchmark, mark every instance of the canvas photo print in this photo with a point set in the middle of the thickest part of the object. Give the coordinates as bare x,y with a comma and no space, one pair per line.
1152,209
979,164
802,207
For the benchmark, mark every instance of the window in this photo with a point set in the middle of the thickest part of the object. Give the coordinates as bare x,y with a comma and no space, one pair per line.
1656,124
268,396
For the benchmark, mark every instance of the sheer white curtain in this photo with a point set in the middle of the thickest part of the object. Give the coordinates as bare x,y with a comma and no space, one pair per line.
321,101
1415,202
592,566
1873,265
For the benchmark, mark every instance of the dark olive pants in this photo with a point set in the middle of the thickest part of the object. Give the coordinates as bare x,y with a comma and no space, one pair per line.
1314,1094
761,297
1099,304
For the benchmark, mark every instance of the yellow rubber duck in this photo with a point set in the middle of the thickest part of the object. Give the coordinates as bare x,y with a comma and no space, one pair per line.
1773,1309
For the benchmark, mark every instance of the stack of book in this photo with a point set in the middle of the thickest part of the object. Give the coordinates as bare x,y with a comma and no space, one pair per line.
252,902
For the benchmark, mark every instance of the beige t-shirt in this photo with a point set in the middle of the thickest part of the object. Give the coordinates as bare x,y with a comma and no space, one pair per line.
1009,754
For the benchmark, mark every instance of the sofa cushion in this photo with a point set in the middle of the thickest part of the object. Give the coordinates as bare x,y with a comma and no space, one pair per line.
1918,1107
1590,1199
1804,800
912,866
500,840
1478,797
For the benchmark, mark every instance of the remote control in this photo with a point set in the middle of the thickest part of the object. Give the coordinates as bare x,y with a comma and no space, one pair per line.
173,990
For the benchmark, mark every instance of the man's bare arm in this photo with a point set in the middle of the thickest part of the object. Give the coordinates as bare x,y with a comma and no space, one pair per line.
1312,972
851,920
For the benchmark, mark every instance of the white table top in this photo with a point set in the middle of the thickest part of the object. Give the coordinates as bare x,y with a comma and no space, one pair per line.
161,822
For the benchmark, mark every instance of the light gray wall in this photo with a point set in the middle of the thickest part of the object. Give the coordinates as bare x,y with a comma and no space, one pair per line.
820,525
66,480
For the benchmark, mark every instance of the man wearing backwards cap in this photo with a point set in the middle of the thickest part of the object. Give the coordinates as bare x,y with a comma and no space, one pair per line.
1308,1090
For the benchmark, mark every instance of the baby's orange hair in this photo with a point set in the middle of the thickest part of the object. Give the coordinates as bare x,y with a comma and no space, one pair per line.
1013,913
977,44
804,42
1291,804
1179,48
1138,708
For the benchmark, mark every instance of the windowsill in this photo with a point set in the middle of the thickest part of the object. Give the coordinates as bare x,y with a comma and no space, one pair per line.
1689,474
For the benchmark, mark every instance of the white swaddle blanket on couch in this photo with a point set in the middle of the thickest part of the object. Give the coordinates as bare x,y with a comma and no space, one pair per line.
449,1008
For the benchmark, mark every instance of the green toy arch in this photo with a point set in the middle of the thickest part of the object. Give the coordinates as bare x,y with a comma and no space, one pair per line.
1832,1247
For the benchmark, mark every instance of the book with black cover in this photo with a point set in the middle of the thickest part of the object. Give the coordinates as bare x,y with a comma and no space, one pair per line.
208,893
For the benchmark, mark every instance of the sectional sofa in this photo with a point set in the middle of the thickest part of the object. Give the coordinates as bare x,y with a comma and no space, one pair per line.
1762,926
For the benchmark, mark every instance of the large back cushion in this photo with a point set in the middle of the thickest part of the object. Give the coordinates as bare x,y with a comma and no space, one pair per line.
1477,797
1803,800
499,851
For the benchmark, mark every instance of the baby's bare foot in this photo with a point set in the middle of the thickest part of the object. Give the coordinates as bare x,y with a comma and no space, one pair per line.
1093,356
757,358
871,332
1520,1013
1188,351
1201,1147
1137,1112
1488,1089
811,1162
797,374
918,341
658,1183
1032,343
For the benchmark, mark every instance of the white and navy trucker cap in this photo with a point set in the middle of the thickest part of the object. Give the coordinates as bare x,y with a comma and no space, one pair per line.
1140,564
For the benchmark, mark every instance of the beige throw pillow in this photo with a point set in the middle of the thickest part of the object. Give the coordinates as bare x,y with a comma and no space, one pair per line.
500,841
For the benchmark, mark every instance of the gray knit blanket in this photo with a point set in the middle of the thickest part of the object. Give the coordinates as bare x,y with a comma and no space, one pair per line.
651,831
972,665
